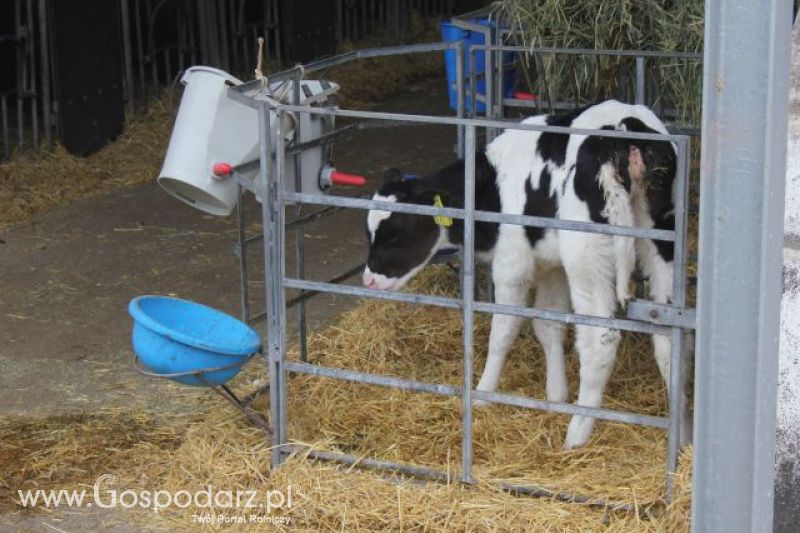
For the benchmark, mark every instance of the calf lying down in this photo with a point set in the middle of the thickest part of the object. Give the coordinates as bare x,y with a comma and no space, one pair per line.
572,177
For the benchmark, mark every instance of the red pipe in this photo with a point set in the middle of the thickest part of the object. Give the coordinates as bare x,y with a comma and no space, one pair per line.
343,178
519,95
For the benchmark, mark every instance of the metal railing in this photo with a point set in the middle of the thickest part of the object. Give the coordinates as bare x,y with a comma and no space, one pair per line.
269,187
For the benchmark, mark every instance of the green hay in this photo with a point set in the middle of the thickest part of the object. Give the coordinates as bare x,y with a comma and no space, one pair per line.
657,25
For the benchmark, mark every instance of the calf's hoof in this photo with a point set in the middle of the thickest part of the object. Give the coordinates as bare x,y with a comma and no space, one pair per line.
578,432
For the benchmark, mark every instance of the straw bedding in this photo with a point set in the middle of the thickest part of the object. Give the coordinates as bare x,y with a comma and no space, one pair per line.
217,447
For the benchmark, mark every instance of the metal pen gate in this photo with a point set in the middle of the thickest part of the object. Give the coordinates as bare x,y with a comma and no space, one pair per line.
672,320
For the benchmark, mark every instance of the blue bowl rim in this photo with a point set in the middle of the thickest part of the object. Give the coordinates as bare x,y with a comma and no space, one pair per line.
139,315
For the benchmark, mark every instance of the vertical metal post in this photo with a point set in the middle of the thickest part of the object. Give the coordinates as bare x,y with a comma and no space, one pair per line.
140,49
269,213
45,65
152,54
243,274
278,328
126,47
739,277
339,23
4,113
221,21
468,297
276,31
236,63
499,109
21,75
31,49
472,84
676,371
460,97
300,248
640,79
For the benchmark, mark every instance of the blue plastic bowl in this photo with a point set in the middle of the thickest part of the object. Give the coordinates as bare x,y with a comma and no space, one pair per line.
174,336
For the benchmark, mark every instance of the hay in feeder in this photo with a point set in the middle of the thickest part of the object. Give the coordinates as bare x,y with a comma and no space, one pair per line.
658,25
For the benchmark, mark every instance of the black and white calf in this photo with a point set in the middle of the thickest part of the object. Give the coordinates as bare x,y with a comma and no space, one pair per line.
572,177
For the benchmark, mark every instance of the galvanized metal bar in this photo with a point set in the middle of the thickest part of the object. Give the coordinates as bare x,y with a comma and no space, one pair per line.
572,318
140,49
460,98
19,30
221,21
4,112
467,299
472,84
746,78
366,462
373,379
306,295
491,397
300,254
338,28
676,382
278,249
242,240
437,475
326,63
455,121
269,213
128,51
572,409
590,51
483,307
482,216
151,47
489,77
339,278
348,290
30,46
640,80
662,314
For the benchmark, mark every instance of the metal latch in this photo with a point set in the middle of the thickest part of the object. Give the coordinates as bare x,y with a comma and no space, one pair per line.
661,314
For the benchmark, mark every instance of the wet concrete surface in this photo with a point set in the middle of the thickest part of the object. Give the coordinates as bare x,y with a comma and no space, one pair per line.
67,276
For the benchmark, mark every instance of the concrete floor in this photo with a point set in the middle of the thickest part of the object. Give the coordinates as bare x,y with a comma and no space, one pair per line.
67,276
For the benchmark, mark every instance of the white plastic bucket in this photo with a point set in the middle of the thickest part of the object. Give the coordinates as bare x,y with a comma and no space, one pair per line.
212,128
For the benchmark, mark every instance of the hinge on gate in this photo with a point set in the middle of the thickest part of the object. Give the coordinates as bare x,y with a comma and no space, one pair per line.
661,314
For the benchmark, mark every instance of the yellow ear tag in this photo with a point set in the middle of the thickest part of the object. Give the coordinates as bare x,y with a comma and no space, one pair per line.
439,219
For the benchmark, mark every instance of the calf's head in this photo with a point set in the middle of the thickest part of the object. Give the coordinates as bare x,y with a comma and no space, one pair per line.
399,244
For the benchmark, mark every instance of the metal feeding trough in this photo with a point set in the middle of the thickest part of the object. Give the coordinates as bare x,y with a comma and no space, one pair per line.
215,135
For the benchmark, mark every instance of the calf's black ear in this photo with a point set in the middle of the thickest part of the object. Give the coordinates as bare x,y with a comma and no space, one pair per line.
390,176
424,196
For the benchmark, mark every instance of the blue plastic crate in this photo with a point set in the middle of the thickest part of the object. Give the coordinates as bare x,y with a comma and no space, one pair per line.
451,32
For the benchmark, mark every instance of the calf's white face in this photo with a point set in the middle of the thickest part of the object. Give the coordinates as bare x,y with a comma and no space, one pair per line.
399,244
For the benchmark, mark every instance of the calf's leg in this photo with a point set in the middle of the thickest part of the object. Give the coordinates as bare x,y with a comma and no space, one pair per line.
552,292
512,276
590,266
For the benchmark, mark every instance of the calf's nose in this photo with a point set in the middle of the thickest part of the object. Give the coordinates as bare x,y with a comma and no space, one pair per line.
369,280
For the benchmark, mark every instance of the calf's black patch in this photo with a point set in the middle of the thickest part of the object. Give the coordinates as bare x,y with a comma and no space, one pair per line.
539,203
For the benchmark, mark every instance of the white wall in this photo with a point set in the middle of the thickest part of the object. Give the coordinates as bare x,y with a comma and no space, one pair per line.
787,497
